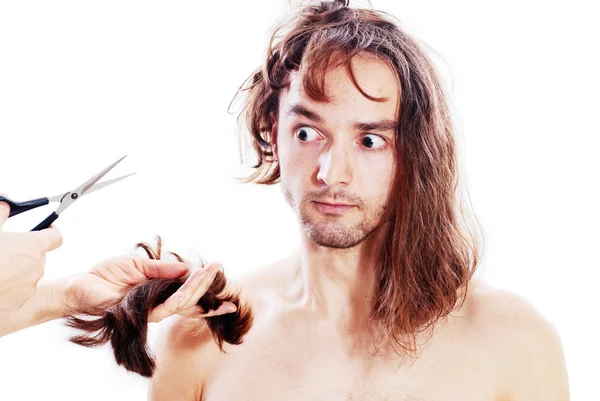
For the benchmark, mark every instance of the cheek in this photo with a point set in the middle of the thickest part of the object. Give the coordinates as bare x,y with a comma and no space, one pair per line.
376,177
296,163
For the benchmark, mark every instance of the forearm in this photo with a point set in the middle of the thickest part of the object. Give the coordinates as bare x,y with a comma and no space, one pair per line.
47,304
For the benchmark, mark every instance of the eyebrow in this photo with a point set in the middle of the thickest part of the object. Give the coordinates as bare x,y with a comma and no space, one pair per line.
384,125
299,110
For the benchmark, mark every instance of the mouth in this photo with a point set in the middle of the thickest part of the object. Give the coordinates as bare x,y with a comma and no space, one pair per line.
334,203
333,208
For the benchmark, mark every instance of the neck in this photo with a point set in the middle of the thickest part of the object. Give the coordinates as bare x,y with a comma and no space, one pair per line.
337,284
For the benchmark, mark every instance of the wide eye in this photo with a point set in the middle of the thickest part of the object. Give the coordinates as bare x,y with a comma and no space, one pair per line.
372,141
306,134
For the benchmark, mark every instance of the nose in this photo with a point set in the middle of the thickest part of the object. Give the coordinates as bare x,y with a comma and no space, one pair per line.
336,166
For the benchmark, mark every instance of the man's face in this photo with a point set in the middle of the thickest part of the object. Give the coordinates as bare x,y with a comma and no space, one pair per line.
340,152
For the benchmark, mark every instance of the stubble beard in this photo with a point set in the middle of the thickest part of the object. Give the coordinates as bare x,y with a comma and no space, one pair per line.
331,232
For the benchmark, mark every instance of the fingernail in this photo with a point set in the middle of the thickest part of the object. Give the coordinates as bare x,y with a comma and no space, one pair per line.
230,309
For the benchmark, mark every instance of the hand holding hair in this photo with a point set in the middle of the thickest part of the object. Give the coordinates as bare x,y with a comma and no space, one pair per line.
125,325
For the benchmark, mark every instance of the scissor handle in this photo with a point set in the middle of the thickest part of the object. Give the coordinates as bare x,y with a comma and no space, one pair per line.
46,223
20,207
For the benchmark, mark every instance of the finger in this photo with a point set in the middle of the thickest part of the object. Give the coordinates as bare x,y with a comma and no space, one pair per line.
51,238
4,212
198,282
198,312
225,308
203,284
163,268
166,309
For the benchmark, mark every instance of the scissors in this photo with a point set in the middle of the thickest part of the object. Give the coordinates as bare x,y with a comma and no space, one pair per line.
66,199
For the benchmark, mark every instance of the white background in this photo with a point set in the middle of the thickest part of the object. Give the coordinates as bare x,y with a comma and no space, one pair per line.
83,83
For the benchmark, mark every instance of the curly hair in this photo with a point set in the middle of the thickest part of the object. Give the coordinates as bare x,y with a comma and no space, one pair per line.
125,325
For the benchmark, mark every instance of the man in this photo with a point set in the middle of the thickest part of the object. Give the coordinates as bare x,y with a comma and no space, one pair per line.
379,303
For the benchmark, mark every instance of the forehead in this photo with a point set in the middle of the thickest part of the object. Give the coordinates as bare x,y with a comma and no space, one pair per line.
373,75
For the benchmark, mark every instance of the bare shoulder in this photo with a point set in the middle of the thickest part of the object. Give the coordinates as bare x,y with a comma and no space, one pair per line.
262,286
185,350
183,353
527,344
487,304
507,312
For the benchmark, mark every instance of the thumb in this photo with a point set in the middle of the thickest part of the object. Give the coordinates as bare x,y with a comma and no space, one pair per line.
4,212
51,238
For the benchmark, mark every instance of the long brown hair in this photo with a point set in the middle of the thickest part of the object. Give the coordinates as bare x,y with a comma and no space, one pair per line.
430,249
125,325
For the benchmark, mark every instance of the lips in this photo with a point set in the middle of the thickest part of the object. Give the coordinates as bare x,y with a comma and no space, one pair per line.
334,204
333,208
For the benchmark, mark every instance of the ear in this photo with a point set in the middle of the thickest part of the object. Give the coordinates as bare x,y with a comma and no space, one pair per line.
274,127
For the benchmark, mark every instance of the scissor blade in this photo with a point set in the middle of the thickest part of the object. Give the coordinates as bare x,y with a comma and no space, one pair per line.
57,198
71,196
103,184
83,188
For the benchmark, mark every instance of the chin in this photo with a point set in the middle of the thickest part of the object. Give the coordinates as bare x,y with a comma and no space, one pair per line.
330,233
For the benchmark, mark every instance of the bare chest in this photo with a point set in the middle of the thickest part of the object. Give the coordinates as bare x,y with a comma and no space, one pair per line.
267,367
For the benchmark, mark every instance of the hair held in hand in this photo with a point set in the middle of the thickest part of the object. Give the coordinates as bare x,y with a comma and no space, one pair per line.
125,325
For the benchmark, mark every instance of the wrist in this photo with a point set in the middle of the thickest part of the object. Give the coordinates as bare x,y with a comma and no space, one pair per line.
47,304
58,305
